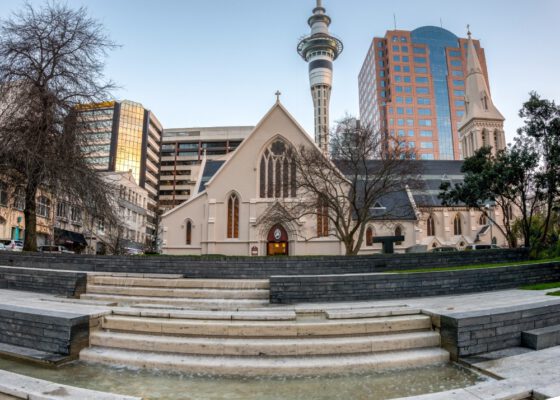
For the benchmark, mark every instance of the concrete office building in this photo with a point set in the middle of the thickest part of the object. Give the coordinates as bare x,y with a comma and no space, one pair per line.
124,136
184,150
412,86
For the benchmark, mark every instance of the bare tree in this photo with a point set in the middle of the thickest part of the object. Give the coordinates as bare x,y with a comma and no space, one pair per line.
364,181
51,61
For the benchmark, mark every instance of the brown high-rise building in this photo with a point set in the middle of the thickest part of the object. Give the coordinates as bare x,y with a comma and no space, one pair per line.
412,87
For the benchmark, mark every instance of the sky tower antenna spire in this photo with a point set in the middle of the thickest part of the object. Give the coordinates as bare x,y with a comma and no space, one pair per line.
319,50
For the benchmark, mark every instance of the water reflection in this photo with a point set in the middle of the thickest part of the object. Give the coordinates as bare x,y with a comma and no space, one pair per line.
152,385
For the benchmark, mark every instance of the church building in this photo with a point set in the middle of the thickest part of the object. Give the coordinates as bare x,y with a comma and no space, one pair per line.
236,198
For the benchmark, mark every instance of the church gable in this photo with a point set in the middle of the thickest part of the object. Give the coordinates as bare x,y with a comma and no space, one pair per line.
276,132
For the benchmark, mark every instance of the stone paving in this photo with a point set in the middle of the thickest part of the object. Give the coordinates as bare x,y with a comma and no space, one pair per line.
524,374
534,374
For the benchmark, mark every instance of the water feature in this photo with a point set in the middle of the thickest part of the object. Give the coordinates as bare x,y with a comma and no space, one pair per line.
154,385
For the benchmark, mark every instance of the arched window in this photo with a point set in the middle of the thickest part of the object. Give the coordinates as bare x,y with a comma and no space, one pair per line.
508,212
43,207
496,141
277,172
485,138
483,220
369,236
322,218
430,226
3,194
188,233
457,227
398,232
233,217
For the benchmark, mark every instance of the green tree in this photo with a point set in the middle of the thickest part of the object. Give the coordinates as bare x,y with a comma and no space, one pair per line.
542,124
526,175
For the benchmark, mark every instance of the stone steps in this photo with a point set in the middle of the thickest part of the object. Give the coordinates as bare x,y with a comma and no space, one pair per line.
174,282
258,366
228,327
268,315
370,312
191,293
265,347
213,304
192,327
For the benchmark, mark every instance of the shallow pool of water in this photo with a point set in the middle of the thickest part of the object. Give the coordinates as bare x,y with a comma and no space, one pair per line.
152,385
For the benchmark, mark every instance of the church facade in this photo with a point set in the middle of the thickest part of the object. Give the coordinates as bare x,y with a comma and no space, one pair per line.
232,211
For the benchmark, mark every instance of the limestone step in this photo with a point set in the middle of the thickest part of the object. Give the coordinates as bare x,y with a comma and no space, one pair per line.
370,312
179,292
258,366
208,304
269,315
265,347
240,284
192,327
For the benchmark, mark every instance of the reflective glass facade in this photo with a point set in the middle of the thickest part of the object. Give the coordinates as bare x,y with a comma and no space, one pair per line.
437,40
129,141
423,69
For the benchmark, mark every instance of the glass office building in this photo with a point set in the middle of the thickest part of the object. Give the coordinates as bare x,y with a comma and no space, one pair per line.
412,87
124,136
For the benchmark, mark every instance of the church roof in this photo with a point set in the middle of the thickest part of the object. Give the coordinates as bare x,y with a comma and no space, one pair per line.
477,95
210,168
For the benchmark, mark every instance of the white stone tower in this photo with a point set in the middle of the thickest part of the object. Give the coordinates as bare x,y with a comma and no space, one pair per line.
483,124
320,49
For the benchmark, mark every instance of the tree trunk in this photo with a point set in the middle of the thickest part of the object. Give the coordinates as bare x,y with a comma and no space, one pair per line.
30,215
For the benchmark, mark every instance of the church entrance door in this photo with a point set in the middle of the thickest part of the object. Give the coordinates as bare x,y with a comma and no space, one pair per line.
277,241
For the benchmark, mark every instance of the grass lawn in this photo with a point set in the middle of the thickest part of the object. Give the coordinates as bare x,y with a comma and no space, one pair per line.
478,266
542,286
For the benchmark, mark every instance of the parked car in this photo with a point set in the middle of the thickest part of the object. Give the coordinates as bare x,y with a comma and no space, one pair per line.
129,251
2,247
482,247
443,249
55,250
13,245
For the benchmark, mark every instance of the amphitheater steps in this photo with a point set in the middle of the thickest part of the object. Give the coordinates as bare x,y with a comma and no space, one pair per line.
191,293
228,327
176,291
178,282
265,347
258,366
212,304
161,312
266,328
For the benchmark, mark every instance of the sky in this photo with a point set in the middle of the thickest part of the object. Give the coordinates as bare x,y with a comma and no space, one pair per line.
219,62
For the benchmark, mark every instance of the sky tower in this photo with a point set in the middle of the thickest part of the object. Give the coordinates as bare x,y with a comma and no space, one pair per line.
320,49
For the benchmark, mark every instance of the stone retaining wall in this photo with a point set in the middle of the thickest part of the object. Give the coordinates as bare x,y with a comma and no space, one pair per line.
49,331
471,333
355,287
66,283
257,267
